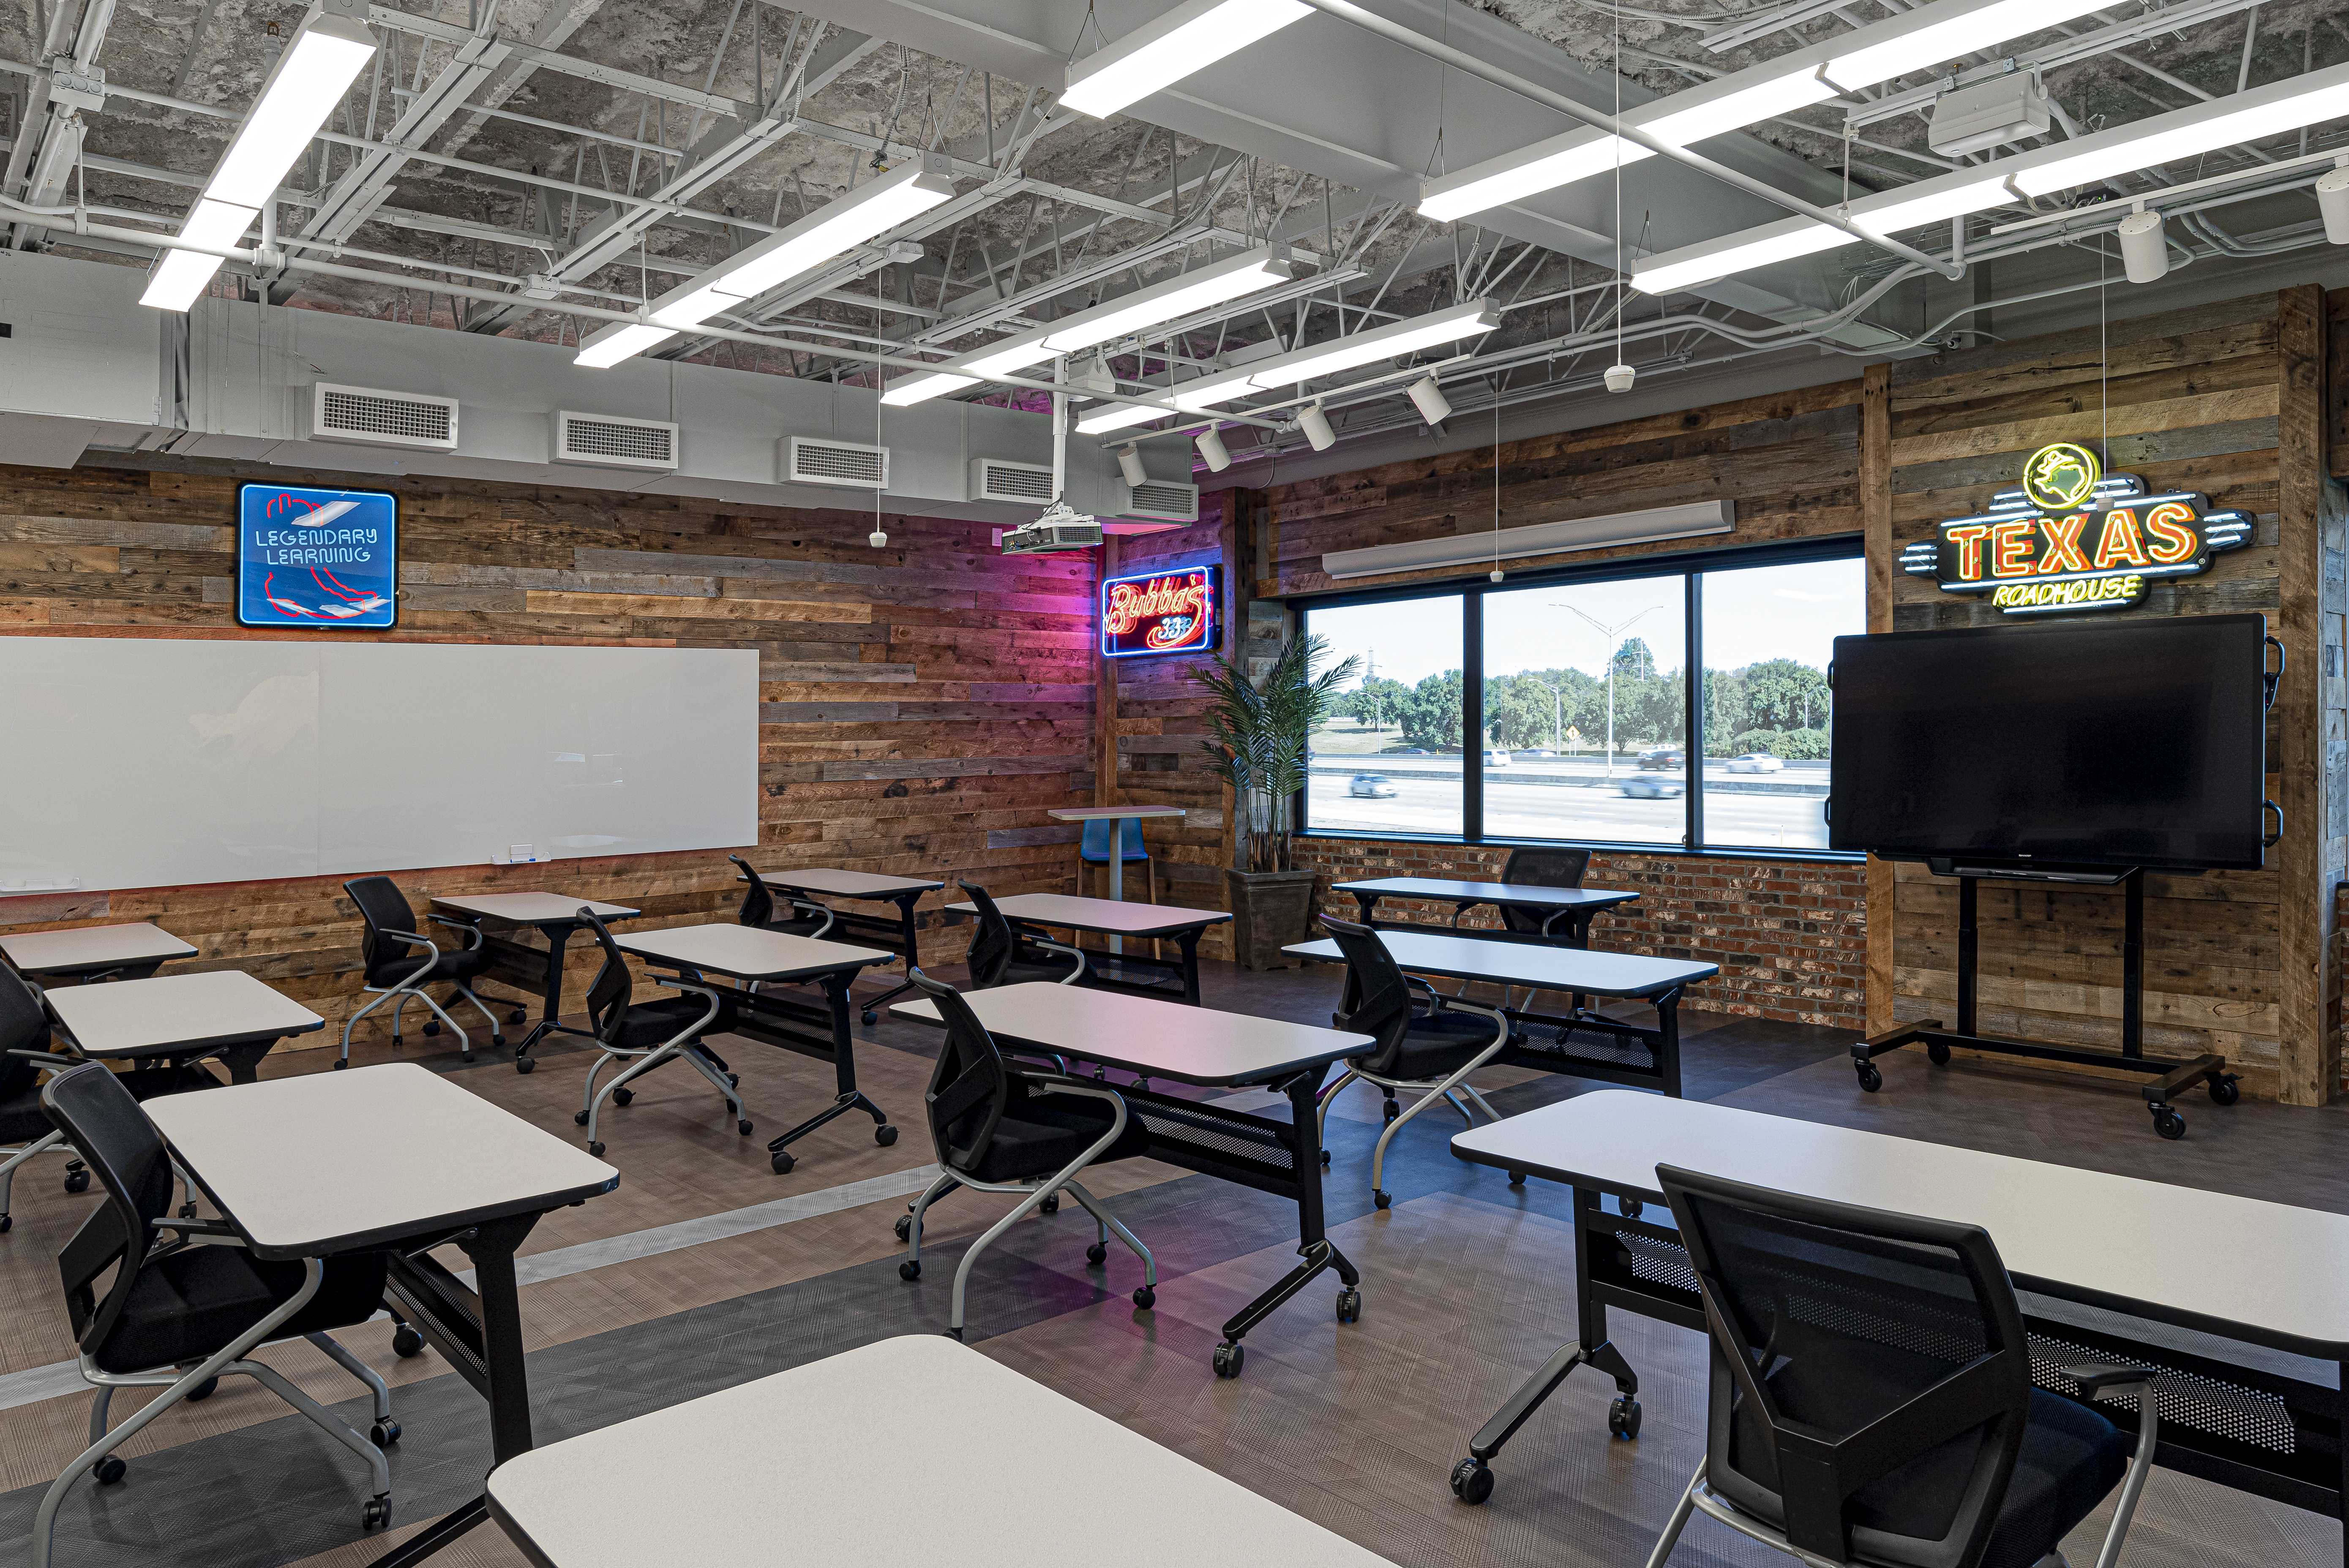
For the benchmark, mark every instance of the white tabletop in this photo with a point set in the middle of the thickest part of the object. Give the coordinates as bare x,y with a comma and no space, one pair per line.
532,908
1102,813
1526,893
92,947
218,1007
901,1451
1534,964
845,883
2185,1255
1144,1035
1110,916
307,1166
748,953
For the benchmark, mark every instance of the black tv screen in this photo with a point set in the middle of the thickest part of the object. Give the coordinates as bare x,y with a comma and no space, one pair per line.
2142,743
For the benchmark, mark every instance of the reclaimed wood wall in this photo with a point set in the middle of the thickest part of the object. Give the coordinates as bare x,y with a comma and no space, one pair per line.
922,706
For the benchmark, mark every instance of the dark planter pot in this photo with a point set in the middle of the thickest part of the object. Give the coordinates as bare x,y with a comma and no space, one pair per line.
1270,910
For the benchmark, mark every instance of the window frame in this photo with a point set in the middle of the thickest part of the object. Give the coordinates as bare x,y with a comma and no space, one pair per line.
1690,566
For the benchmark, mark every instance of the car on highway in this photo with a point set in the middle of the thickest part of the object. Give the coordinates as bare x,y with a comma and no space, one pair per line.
1372,787
1496,757
1756,762
1640,787
1409,751
1538,751
1662,760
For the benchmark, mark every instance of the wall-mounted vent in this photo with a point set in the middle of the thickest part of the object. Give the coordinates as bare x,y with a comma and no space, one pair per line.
807,460
380,418
992,479
607,442
1162,500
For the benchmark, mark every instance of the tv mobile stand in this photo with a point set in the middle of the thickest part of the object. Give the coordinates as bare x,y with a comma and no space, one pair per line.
2166,1078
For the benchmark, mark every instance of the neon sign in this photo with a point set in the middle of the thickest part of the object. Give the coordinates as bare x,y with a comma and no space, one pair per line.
1161,611
2073,537
317,558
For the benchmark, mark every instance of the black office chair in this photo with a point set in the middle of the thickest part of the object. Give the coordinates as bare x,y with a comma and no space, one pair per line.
393,970
1001,956
760,905
648,1035
1532,865
25,1126
1000,1128
1871,1397
1428,1046
186,1309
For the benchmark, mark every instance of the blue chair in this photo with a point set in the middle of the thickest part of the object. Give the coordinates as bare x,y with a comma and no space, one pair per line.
1094,849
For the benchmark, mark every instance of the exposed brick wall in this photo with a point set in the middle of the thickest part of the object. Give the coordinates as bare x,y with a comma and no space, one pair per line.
1791,937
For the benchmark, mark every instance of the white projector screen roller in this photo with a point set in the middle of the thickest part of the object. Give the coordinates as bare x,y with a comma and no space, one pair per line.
159,762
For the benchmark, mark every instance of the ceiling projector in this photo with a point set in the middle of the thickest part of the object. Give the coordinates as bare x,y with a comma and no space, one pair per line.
1058,529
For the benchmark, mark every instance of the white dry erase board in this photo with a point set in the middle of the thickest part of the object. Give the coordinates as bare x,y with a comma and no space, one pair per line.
158,762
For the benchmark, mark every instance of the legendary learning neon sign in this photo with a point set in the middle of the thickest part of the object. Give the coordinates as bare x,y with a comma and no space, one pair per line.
2071,537
1160,613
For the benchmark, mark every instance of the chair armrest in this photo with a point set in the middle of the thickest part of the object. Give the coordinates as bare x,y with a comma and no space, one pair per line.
196,1227
472,932
47,1058
2096,1377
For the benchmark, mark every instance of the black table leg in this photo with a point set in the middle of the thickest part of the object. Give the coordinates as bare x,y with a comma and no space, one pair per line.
1366,906
1189,942
907,929
843,1066
1668,1041
558,937
1314,1249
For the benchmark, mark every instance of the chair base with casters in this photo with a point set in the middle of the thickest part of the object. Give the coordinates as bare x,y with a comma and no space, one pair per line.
456,970
653,1035
1449,1027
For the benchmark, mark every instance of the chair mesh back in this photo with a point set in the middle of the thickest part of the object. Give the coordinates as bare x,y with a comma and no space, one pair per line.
384,908
969,1087
992,945
118,1142
1540,866
24,1026
607,997
1380,997
1827,1319
758,902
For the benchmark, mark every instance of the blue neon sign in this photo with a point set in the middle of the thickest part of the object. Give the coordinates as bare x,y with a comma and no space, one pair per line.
314,558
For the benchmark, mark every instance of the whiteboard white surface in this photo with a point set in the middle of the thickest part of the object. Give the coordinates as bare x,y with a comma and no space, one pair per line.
159,762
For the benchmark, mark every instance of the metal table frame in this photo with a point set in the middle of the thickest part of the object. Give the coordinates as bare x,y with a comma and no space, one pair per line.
900,936
521,965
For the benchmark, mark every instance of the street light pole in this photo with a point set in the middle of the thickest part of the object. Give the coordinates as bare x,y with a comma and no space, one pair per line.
1611,634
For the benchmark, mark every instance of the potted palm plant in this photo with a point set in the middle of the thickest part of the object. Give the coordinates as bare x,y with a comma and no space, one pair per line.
1256,734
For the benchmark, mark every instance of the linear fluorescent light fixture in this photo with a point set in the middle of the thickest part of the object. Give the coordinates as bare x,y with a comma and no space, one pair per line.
1689,519
326,55
2270,110
1155,56
1879,52
1199,289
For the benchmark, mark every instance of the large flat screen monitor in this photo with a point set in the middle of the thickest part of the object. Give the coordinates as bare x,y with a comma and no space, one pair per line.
2141,744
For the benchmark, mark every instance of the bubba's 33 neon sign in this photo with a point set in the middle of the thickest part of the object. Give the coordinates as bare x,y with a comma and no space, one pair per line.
1161,611
2071,537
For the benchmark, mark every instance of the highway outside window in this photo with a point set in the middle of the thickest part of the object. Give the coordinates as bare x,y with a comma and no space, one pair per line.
1389,759
1768,633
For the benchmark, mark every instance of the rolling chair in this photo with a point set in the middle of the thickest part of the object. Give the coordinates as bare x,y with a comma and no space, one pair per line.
393,972
1533,865
1872,1399
1429,1049
1000,1128
186,1309
646,1035
761,902
1001,955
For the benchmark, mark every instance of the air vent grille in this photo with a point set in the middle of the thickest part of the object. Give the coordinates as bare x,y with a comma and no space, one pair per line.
615,443
991,478
810,461
382,418
1163,501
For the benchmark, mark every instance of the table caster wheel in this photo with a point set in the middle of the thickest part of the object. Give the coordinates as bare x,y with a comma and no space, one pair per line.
1228,1360
596,1149
578,1119
910,1269
2224,1090
1051,1205
1937,1053
1632,1208
383,1434
1095,1253
431,1028
1381,1197
743,1126
405,1342
525,1064
1325,1160
2169,1123
1516,1178
871,1018
109,1470
377,1514
518,1015
1144,1297
904,1226
1623,1419
1871,1076
1349,1305
77,1180
1471,1480
623,1096
885,1135
782,1161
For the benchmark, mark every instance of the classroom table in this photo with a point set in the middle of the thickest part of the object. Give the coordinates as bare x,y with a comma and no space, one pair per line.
826,1448
1619,1052
93,953
1115,917
2231,1298
181,1018
901,935
554,916
1157,1038
758,958
394,1158
1565,913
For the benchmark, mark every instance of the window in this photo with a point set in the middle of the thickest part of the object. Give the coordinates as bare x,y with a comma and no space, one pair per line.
1388,760
1558,708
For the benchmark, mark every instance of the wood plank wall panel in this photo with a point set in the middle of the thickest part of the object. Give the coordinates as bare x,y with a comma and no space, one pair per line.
2193,398
921,705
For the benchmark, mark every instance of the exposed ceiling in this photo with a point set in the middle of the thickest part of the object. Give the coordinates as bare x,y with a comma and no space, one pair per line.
505,160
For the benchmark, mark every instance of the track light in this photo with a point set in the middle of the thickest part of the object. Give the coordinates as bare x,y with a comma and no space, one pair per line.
1211,450
1620,377
1316,425
2145,249
2333,201
1188,38
1429,399
1129,463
